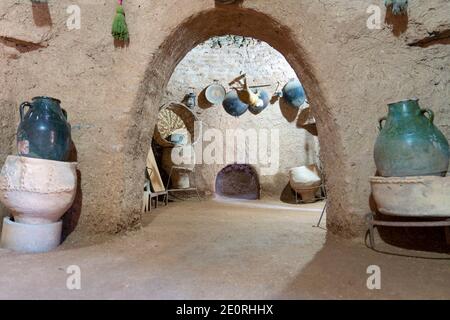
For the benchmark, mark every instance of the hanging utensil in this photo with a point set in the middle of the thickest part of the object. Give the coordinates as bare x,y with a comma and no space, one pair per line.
278,93
244,93
260,86
233,105
263,102
294,93
215,93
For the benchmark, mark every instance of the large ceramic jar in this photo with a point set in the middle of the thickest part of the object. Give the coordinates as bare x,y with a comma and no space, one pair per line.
43,130
409,144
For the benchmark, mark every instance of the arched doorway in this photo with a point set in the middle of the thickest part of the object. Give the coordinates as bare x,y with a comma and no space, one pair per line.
238,181
190,33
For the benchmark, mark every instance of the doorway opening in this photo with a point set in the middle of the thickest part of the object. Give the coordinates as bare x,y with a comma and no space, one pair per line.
242,22
243,151
238,181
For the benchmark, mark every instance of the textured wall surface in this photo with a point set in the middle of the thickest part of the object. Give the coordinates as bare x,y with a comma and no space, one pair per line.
263,65
112,93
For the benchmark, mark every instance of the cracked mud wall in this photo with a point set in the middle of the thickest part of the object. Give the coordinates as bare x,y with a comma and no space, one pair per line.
7,134
112,94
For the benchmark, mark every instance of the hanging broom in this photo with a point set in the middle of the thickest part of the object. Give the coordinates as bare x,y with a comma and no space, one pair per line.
397,6
119,27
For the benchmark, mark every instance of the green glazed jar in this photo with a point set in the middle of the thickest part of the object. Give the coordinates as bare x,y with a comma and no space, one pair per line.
44,131
409,144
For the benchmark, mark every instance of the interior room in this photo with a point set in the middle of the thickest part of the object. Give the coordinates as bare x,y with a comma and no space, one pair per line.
210,149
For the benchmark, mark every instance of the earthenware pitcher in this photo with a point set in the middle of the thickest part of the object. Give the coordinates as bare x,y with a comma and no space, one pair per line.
409,144
43,130
294,93
233,105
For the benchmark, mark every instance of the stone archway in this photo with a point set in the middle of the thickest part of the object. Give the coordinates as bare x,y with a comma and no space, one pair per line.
190,33
238,181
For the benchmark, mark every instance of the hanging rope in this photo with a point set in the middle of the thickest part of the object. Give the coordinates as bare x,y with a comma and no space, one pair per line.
119,27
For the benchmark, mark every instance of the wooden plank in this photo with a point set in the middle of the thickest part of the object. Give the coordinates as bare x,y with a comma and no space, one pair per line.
153,172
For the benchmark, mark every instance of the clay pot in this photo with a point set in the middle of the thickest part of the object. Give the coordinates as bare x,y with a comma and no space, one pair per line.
294,94
424,196
191,100
183,158
37,191
43,131
233,105
305,181
409,144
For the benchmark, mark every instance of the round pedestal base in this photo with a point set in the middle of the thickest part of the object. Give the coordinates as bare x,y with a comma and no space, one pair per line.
30,238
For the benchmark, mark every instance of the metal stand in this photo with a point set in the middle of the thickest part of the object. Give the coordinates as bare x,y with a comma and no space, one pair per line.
192,174
323,195
372,222
323,212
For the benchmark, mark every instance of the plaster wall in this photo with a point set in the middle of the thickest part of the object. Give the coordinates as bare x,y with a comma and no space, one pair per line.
112,94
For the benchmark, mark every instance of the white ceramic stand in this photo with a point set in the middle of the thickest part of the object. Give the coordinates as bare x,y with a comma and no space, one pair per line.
37,193
30,238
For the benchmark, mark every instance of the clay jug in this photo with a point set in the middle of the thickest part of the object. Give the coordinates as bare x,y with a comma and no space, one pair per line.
233,105
43,131
247,96
409,144
294,93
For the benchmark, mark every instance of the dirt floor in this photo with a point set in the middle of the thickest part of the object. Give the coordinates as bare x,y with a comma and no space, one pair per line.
216,249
